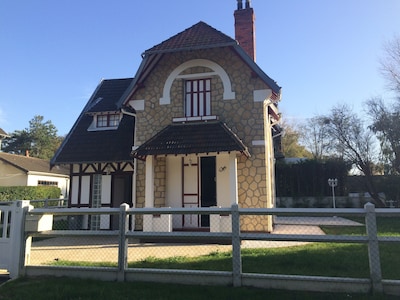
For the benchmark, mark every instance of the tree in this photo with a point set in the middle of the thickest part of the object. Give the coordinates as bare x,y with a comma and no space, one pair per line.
316,139
386,126
290,142
353,143
40,139
386,118
390,64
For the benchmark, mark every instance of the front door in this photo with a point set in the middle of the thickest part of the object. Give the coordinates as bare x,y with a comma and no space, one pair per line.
208,186
199,188
121,193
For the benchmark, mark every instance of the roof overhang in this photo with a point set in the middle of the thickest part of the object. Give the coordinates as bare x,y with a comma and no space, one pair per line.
191,138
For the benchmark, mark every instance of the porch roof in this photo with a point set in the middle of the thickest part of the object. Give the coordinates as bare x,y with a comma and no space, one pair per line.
192,138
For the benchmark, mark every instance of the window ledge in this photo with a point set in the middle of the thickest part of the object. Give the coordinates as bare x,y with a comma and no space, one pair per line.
102,128
194,119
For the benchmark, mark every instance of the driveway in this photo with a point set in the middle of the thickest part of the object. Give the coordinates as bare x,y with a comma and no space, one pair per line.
102,249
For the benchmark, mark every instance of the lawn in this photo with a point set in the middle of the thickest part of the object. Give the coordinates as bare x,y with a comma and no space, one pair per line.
326,259
315,259
69,288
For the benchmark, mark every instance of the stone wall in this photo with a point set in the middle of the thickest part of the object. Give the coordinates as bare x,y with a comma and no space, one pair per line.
242,115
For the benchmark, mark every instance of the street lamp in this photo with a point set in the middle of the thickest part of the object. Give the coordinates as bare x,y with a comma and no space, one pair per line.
333,183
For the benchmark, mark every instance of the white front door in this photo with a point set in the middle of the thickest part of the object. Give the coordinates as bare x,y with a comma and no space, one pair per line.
190,179
199,188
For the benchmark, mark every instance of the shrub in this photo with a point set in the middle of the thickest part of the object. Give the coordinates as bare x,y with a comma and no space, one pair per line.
10,193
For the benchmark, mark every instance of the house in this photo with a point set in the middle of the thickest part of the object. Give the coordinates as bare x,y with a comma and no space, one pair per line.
19,170
193,128
3,135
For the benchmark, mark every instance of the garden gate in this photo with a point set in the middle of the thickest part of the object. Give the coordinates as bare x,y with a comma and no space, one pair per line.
12,218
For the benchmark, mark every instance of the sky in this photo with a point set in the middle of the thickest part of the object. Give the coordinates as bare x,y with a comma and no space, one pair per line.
53,53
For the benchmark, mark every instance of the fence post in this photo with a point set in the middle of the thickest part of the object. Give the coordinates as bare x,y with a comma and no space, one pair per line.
236,253
122,243
19,246
373,248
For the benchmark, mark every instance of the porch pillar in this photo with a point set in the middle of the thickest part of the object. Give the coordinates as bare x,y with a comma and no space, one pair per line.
233,178
149,191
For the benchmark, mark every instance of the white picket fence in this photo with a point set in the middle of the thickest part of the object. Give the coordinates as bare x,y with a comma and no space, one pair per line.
26,222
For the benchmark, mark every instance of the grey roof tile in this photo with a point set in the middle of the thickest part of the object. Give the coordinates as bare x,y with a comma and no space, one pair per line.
84,146
205,137
200,35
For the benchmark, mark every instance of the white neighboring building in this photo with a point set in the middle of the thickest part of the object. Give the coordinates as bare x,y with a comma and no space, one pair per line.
18,170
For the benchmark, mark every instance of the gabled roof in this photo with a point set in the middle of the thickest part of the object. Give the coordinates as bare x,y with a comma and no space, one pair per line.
31,164
84,146
199,36
191,138
107,95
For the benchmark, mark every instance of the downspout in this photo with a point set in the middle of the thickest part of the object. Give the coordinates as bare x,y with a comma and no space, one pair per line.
134,163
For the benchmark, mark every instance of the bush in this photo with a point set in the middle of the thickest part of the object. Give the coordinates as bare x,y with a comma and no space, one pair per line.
10,193
310,178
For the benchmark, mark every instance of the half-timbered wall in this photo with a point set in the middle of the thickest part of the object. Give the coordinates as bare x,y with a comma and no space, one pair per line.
84,193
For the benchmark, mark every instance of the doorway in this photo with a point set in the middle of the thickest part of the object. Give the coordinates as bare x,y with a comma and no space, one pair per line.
121,193
199,188
208,186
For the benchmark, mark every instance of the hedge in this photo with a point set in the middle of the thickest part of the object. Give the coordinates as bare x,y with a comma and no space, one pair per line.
9,193
310,178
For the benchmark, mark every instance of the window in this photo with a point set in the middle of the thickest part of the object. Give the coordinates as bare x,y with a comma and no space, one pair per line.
109,120
47,183
96,201
198,97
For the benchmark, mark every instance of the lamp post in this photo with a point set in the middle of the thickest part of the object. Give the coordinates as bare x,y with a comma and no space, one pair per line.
333,183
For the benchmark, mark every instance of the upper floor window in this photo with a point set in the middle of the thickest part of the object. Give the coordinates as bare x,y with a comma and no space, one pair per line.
47,183
198,97
109,120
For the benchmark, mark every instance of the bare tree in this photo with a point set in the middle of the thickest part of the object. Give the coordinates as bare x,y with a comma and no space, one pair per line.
390,64
315,137
354,143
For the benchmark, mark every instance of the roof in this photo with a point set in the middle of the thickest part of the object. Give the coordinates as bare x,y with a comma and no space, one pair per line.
107,95
187,138
31,164
199,36
83,146
3,134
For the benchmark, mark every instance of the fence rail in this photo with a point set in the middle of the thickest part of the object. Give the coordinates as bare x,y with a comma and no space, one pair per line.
123,245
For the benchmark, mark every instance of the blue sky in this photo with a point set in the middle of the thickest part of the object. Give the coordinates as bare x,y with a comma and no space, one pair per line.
54,52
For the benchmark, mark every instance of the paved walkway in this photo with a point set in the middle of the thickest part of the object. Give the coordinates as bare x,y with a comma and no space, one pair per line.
101,249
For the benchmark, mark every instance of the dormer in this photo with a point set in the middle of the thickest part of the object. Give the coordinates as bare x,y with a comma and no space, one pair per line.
109,120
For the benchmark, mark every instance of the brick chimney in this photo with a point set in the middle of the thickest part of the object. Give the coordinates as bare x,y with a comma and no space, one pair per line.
245,28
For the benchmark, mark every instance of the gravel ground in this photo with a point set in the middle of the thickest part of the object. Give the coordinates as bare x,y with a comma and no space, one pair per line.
100,249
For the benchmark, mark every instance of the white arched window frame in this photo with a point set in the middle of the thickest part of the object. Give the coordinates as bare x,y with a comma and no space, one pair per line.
216,70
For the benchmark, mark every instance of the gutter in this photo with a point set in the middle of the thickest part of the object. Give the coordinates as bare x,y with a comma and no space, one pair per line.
132,114
46,174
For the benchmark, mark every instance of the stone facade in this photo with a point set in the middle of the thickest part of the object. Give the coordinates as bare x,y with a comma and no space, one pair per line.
242,114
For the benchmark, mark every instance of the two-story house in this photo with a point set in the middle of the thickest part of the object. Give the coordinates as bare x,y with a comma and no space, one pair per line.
193,128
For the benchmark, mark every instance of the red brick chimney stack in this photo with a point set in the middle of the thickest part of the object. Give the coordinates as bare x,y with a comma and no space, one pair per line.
245,28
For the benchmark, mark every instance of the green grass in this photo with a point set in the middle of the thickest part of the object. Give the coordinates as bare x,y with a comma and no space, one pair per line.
315,259
69,288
